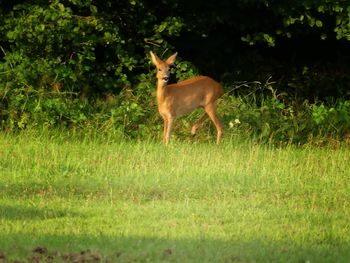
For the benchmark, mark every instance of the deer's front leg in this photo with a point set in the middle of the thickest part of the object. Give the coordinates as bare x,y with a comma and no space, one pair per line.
165,128
167,132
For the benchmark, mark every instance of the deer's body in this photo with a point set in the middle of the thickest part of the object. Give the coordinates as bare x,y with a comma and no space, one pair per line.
183,97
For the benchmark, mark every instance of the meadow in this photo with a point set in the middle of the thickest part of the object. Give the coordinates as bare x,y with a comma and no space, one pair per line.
89,199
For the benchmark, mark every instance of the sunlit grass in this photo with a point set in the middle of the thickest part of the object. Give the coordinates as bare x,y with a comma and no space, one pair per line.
189,202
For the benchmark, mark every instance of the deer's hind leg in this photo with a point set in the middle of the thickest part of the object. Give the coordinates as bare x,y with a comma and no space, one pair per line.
198,124
210,109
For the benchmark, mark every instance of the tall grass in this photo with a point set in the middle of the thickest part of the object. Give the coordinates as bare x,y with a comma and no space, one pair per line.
139,201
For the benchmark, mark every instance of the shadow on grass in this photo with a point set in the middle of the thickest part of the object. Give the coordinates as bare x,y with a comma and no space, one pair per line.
21,212
71,248
63,188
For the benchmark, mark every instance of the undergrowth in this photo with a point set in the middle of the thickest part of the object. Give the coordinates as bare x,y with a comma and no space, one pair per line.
250,109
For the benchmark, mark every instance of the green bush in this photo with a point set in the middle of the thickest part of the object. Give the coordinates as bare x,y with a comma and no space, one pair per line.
65,55
84,65
279,119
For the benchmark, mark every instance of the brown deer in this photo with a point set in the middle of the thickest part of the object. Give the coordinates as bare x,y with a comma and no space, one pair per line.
183,97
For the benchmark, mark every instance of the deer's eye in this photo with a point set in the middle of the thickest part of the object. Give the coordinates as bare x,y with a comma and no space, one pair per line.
159,69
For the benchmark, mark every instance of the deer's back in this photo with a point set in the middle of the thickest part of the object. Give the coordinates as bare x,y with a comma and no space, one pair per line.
200,85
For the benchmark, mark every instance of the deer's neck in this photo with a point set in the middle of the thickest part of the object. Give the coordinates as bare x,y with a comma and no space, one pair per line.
161,91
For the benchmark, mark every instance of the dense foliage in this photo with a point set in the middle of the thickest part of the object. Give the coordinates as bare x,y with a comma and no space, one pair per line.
85,64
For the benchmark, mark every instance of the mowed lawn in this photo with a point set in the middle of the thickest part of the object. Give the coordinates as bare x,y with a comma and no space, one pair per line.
85,200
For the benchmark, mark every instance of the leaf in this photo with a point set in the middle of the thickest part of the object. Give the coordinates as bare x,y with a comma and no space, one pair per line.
270,40
93,9
162,27
61,7
312,22
11,35
319,23
321,9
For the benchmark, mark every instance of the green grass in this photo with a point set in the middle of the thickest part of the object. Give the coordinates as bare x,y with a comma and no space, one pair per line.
190,202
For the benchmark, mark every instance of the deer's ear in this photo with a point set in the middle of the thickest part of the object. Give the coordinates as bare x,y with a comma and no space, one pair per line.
155,59
171,60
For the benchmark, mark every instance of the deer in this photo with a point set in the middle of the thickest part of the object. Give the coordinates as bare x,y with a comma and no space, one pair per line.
181,98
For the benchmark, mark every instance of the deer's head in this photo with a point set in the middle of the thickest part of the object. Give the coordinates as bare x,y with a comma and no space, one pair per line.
163,67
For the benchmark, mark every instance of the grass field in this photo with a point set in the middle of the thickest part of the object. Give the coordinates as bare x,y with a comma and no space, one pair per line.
85,200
